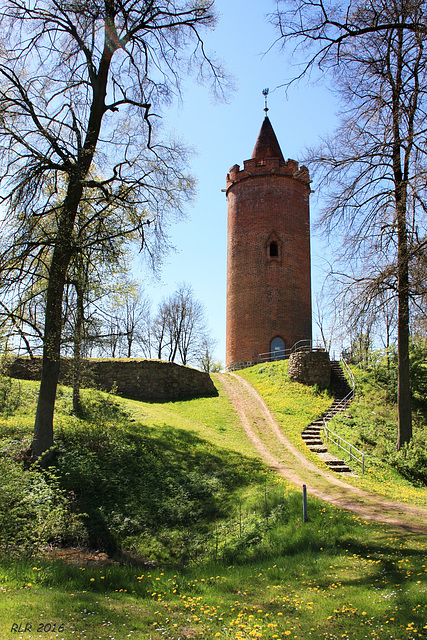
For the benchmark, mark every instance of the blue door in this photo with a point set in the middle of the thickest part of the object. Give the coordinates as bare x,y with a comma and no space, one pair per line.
277,349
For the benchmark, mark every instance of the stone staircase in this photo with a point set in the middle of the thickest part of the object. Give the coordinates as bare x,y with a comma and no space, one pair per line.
312,434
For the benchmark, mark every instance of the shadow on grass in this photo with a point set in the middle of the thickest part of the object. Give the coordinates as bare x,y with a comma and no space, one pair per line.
133,481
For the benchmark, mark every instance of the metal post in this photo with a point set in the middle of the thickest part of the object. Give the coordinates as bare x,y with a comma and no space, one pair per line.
304,503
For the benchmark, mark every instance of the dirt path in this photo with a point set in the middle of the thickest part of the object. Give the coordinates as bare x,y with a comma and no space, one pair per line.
274,447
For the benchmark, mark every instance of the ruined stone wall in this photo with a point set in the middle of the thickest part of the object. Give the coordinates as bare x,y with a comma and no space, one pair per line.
148,380
310,367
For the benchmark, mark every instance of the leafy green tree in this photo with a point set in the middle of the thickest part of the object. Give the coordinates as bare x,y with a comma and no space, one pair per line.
91,279
81,86
360,348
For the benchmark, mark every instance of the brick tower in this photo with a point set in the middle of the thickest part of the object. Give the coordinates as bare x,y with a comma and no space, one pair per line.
268,258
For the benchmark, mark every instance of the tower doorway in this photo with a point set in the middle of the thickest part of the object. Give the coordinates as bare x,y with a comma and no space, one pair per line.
277,349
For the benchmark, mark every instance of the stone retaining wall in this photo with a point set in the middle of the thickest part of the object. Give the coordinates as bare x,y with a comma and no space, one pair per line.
236,366
148,380
310,367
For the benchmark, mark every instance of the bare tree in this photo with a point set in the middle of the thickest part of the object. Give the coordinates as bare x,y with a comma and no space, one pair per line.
374,167
326,318
206,356
386,319
80,83
191,326
161,340
21,316
179,328
81,285
136,319
124,320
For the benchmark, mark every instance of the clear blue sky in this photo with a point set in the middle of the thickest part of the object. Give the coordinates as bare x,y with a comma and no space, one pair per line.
224,135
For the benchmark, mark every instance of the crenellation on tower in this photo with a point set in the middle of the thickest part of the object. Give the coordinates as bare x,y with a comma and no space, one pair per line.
254,167
302,174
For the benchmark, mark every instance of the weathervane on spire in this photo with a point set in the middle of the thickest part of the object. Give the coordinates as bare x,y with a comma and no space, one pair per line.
265,94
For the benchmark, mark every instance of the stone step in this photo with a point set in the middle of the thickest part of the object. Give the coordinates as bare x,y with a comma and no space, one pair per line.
338,465
333,412
338,406
312,434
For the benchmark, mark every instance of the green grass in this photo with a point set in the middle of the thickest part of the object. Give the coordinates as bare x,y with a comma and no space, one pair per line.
370,423
368,583
294,405
156,481
212,419
177,486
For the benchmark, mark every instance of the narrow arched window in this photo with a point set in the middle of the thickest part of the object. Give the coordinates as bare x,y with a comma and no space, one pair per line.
274,249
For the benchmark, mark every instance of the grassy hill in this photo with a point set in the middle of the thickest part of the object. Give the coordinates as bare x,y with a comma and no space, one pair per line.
205,541
370,423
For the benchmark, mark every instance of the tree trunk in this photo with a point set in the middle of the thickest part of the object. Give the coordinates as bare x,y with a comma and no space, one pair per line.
61,256
43,427
401,174
77,347
404,382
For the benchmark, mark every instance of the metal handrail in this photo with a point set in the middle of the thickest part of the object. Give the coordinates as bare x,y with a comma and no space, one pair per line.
339,407
283,354
351,448
351,376
342,404
303,345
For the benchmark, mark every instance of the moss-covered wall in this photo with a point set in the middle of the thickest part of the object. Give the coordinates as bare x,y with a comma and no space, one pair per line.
148,380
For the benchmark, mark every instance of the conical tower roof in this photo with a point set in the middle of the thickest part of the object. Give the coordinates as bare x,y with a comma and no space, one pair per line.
267,145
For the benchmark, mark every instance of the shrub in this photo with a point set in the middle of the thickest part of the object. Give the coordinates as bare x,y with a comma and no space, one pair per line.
371,423
33,511
10,390
100,407
411,460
